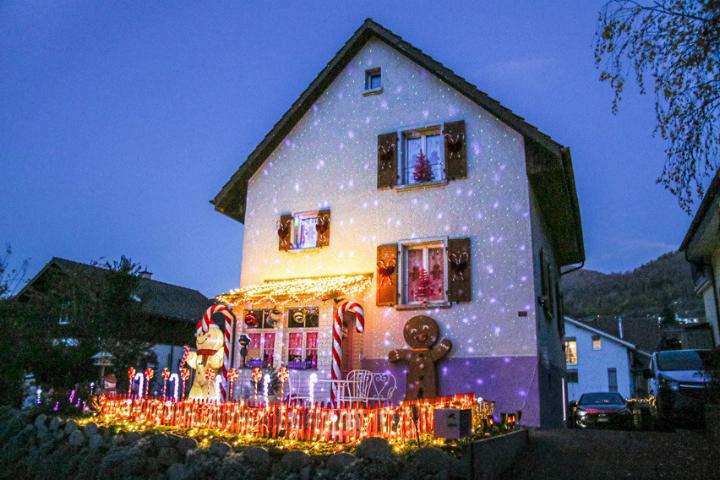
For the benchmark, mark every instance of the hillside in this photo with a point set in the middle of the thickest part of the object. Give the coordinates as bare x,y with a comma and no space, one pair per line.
642,292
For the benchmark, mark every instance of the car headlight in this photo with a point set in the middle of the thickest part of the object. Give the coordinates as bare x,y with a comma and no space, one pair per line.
670,383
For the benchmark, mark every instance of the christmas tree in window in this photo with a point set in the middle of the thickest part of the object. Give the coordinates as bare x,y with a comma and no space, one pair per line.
423,170
424,288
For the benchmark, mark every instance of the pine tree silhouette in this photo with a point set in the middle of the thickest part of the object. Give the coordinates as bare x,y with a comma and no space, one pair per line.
422,171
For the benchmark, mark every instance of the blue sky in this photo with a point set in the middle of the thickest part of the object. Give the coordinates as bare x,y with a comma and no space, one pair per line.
119,122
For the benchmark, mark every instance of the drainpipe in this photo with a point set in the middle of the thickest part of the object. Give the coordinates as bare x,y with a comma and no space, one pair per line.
714,285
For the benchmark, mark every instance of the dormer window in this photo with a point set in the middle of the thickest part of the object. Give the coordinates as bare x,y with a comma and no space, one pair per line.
373,81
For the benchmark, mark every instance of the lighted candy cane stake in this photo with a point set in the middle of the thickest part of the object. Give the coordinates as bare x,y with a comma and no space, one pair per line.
256,377
184,374
335,372
176,385
283,375
203,326
149,374
141,381
209,376
232,375
165,376
131,375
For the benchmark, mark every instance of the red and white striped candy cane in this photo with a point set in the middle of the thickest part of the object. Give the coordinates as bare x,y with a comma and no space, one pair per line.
349,306
204,325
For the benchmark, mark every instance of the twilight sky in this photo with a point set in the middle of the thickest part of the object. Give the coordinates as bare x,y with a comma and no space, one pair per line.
118,123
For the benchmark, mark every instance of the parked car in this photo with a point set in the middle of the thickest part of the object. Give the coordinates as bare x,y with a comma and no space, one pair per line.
678,381
601,409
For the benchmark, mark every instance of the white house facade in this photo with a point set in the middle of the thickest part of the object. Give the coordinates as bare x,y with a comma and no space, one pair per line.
393,183
597,361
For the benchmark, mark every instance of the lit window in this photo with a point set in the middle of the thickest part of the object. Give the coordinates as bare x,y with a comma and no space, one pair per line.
373,80
303,338
596,342
424,277
423,158
262,340
305,230
571,351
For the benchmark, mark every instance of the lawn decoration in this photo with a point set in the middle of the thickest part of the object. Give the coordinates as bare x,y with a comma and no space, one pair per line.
283,376
256,377
355,308
209,356
165,375
421,333
149,374
175,378
232,375
131,374
184,374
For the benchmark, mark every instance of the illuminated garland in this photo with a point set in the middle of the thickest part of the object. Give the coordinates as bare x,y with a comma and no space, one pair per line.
348,423
299,291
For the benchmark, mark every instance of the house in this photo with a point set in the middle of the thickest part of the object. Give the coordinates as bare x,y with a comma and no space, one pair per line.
701,246
170,310
600,362
394,182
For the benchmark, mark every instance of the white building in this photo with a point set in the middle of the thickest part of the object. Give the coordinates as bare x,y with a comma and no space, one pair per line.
599,362
336,200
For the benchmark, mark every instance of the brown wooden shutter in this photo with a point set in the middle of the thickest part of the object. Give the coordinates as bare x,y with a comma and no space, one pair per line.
459,270
387,160
387,274
455,150
284,232
323,228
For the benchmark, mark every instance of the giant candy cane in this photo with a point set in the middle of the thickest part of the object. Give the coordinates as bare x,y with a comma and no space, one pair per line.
340,311
203,326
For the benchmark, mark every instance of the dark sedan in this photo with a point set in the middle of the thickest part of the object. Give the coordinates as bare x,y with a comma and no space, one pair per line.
602,409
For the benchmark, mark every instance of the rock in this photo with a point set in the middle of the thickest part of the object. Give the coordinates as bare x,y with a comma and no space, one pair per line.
59,434
295,461
90,429
176,471
76,439
430,460
375,448
219,449
131,437
54,424
118,439
95,441
70,427
186,444
256,456
160,441
339,461
168,456
40,421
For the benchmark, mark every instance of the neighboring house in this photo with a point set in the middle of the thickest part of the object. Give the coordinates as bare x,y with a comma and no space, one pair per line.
599,362
702,249
394,182
172,310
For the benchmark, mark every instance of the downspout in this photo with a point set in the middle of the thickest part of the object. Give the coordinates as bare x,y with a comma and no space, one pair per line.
712,280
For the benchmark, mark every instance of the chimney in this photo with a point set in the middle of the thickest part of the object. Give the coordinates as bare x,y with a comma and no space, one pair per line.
145,274
620,332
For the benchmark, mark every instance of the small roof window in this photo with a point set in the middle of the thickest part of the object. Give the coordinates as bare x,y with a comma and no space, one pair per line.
373,81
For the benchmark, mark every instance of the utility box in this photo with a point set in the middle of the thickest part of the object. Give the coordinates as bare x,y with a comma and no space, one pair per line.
452,423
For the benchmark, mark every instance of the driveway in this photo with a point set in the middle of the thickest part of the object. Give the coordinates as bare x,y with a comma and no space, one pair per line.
596,454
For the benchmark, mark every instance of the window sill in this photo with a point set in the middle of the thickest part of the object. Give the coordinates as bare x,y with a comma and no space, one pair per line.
422,306
421,186
374,91
306,249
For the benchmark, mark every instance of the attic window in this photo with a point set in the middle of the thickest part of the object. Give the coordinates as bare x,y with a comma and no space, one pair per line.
373,81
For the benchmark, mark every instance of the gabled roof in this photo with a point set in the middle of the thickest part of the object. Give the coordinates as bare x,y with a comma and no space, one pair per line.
703,210
160,299
602,333
549,163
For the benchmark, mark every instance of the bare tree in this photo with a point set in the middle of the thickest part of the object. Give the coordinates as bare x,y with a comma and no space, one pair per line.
672,47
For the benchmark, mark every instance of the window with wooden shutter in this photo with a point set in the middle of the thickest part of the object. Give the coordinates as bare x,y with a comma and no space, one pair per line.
459,270
323,228
285,231
387,160
387,276
455,150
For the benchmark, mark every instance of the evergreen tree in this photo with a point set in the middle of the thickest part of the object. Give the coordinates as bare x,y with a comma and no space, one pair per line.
423,170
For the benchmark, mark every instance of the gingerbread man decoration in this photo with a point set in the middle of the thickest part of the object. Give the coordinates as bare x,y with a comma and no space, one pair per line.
421,333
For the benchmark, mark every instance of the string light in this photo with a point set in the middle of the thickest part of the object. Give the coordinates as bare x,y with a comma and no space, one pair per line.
299,291
311,387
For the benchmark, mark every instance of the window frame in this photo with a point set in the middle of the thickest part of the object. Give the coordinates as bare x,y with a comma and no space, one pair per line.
572,376
566,343
421,132
613,387
248,330
297,219
371,73
304,331
425,244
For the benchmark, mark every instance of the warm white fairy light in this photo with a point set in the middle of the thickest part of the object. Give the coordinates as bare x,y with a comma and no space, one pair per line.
311,383
266,387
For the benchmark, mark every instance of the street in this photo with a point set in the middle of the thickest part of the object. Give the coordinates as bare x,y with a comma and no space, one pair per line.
600,454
